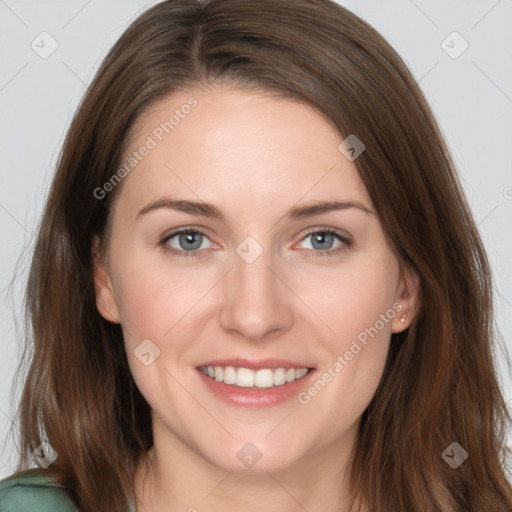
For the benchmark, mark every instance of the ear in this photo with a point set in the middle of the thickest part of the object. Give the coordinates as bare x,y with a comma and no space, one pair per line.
105,298
407,300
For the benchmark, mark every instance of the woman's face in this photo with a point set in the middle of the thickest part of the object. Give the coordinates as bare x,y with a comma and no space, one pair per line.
266,283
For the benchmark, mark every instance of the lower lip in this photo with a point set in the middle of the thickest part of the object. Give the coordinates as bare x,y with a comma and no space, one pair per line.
256,397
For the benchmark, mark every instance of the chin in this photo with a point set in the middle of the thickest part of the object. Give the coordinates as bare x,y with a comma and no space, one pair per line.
256,457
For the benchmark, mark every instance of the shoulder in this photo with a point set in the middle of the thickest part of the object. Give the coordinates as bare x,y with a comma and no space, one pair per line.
34,491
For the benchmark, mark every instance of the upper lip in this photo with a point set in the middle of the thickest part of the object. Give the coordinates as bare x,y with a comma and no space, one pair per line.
240,362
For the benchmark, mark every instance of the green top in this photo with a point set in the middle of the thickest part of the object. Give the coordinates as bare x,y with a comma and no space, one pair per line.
36,491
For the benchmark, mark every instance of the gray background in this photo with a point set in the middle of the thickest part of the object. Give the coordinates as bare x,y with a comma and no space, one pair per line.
471,95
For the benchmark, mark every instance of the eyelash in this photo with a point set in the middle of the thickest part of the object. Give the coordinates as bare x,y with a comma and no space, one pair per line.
346,243
177,253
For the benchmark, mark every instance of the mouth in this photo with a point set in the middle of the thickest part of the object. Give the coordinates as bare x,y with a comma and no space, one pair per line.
263,378
248,383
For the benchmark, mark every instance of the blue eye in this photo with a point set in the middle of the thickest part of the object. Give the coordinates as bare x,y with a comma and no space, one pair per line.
322,241
185,243
189,240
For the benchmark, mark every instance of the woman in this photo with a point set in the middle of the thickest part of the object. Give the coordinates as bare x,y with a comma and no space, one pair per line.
257,282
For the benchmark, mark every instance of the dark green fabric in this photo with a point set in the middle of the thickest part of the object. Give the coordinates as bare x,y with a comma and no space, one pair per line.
35,492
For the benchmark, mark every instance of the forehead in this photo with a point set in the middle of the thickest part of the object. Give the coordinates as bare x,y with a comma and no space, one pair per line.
233,146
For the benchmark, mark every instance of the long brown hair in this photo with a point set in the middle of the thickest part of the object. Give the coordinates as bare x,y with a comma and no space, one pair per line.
439,385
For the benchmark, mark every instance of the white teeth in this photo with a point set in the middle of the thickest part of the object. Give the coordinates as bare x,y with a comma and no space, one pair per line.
279,377
246,378
300,373
264,379
229,375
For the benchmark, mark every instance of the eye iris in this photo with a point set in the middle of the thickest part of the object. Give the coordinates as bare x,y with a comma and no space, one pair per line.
190,238
323,239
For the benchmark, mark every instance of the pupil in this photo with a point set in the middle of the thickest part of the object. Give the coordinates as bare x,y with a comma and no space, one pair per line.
322,238
190,240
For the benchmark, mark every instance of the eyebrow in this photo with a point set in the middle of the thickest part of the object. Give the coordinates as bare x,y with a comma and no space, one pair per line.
211,211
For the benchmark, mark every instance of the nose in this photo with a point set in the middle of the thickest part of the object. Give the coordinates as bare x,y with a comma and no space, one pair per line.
256,303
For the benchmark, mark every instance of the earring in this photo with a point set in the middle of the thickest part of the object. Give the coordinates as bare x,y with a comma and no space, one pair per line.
403,318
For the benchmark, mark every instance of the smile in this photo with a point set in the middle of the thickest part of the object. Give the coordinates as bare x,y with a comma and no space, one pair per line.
259,379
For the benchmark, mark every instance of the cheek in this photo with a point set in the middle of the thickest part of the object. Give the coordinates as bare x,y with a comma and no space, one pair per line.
352,351
154,299
357,308
352,299
159,304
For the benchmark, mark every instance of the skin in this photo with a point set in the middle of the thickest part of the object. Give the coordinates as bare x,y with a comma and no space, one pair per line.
254,157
